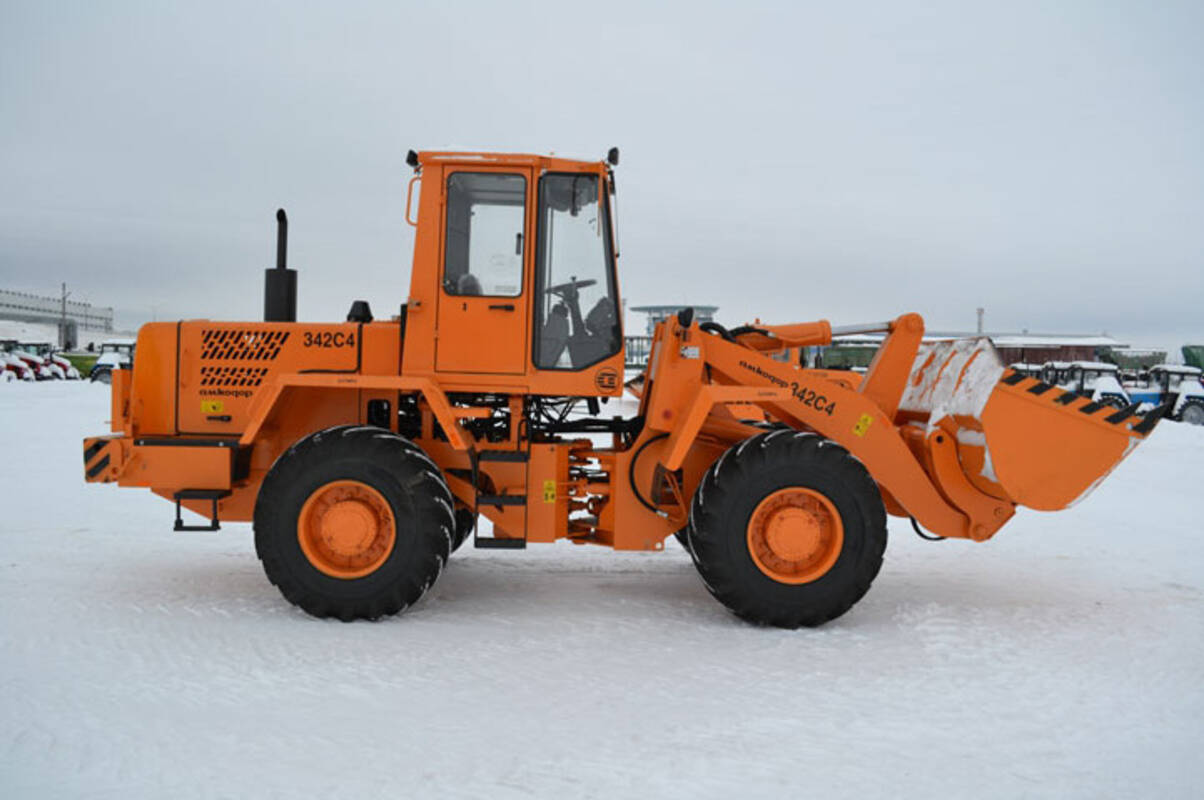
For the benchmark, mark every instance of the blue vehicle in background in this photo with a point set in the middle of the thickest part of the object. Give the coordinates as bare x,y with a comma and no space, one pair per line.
1168,383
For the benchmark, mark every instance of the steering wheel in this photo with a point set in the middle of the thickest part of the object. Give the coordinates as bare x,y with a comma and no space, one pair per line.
570,287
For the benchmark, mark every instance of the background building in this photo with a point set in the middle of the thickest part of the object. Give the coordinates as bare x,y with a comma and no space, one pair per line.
69,316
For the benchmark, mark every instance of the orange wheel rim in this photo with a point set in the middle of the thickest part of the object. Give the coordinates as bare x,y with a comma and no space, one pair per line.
795,535
346,529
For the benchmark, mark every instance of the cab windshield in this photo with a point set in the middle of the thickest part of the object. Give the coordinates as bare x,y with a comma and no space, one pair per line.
576,315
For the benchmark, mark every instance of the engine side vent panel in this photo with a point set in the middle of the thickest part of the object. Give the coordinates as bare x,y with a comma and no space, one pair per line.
224,366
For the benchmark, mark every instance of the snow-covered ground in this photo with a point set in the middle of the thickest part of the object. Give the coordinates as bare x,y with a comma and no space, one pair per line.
1064,658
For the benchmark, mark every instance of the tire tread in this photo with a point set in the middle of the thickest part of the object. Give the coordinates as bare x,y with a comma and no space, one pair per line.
365,447
712,534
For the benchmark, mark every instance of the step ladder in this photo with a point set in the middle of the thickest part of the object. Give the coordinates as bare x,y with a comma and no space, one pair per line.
497,500
213,495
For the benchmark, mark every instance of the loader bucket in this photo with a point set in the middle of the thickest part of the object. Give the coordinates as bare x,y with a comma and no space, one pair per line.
1019,439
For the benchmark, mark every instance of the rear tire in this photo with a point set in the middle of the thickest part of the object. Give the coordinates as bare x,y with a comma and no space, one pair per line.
353,522
465,522
803,477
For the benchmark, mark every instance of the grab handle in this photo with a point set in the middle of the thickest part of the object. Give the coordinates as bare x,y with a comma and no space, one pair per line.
410,199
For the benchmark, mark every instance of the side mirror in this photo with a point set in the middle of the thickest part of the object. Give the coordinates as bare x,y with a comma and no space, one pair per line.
612,156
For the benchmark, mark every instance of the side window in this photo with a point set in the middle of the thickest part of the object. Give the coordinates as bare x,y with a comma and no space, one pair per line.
485,217
576,319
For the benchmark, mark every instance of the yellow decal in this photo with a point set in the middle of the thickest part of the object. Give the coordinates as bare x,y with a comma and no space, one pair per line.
549,491
862,425
212,406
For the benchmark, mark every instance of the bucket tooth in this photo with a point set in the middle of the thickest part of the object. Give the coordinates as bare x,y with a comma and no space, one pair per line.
1123,414
1151,420
1067,398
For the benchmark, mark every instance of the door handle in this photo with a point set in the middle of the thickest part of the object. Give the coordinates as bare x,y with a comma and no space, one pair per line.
502,306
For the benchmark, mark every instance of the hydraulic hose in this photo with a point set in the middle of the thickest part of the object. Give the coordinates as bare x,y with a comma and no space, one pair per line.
717,329
928,537
631,474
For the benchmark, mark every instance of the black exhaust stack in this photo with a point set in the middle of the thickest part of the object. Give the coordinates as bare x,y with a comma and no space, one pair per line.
280,284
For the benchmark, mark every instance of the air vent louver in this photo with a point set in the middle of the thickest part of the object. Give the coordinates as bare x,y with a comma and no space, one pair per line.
234,344
232,376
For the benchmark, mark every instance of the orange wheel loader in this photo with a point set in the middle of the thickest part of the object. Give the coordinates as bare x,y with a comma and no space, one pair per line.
364,452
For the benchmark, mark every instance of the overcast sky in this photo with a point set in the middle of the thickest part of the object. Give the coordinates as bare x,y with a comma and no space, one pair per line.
785,160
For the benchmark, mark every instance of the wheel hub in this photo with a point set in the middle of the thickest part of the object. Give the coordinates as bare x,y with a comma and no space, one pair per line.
346,529
349,527
795,535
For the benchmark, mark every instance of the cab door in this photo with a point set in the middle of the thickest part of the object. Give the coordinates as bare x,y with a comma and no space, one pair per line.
483,301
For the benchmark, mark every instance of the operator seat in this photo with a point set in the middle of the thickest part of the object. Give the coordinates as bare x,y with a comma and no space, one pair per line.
554,337
600,322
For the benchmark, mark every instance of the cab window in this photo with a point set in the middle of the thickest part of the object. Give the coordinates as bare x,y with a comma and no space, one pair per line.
576,318
484,249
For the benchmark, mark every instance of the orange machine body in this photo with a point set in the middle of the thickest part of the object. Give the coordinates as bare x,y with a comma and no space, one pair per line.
478,363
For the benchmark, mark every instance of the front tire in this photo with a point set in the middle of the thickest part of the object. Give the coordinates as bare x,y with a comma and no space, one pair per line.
683,538
1192,413
353,522
787,529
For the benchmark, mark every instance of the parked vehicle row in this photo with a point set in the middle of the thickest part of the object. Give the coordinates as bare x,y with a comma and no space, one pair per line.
1179,386
40,361
58,366
35,361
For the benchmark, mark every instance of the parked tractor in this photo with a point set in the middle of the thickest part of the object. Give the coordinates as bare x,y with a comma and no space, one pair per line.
1178,387
365,452
114,354
1095,379
14,368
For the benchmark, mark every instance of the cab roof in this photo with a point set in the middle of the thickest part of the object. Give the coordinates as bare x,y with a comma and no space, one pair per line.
1177,369
552,162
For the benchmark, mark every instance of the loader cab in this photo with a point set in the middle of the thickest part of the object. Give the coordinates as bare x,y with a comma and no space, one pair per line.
514,255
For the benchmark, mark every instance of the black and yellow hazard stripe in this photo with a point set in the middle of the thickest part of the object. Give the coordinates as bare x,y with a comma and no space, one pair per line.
1097,410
